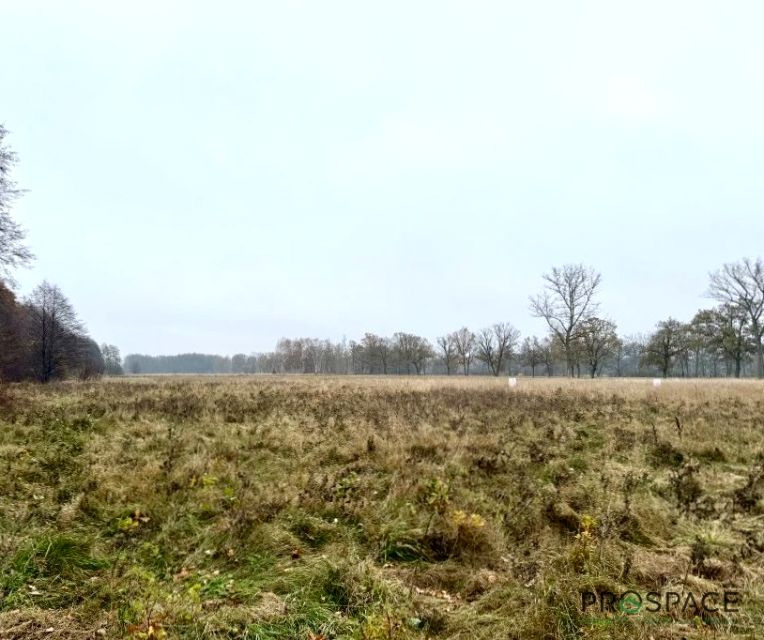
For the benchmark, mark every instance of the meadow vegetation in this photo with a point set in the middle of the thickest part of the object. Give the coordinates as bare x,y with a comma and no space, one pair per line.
376,508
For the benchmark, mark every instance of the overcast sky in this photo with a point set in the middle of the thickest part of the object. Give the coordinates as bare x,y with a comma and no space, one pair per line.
212,176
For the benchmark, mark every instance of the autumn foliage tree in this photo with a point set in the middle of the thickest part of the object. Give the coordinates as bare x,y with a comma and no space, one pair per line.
11,334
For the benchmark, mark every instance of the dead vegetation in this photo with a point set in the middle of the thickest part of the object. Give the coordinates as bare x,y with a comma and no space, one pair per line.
370,508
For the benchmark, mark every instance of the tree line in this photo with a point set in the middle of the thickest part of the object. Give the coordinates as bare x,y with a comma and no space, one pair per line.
42,338
720,341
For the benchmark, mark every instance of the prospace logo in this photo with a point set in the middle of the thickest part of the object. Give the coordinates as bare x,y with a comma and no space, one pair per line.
632,602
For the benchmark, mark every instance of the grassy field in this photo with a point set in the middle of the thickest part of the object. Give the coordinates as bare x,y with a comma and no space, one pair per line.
371,508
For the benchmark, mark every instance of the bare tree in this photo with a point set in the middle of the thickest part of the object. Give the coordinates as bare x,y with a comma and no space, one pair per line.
56,332
384,351
13,252
343,356
701,331
665,345
732,336
412,350
112,360
531,354
289,356
465,342
495,345
377,351
598,341
315,355
549,354
485,350
447,347
741,284
567,300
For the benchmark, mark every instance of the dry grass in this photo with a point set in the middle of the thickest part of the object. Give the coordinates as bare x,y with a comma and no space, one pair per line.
376,508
